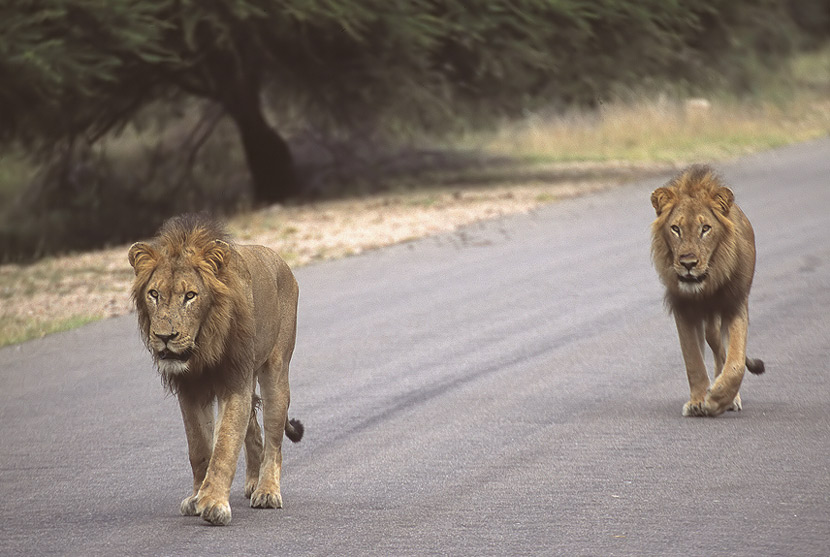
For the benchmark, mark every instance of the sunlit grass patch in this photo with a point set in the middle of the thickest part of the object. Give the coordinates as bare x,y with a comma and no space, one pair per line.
15,329
790,107
660,130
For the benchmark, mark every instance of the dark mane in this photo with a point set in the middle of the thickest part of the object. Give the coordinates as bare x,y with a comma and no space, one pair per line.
190,240
695,180
191,230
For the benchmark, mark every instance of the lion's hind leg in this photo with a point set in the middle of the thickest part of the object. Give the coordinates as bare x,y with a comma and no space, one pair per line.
273,383
714,338
253,450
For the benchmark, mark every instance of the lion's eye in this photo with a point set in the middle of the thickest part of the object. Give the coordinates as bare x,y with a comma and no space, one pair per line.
190,295
676,230
704,229
153,294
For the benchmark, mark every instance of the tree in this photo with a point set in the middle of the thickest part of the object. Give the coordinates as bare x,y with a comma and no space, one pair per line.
73,68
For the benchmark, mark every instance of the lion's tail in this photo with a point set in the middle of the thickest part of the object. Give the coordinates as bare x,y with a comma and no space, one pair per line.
294,430
755,365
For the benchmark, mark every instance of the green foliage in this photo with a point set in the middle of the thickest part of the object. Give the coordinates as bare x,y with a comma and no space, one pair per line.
73,67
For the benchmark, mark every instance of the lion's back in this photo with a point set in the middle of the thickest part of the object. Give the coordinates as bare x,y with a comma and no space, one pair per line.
264,264
274,295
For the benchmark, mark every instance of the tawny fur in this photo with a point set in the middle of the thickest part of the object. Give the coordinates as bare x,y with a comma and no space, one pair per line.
218,318
703,248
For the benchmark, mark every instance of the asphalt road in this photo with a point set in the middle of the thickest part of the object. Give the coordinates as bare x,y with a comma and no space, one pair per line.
511,389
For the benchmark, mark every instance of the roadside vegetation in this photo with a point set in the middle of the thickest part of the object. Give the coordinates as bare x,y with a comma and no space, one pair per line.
423,149
788,106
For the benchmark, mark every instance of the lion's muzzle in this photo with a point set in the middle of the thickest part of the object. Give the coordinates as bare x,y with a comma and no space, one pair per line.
689,278
169,351
167,354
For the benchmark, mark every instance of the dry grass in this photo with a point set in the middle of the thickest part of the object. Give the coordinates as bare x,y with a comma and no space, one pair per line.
794,106
661,131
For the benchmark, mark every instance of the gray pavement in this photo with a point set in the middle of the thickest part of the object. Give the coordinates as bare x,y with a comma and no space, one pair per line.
514,388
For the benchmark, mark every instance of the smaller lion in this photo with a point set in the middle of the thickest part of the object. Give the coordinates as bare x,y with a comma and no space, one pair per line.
703,248
218,318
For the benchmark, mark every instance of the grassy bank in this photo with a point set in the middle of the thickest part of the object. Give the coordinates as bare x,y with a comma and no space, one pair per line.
17,329
662,131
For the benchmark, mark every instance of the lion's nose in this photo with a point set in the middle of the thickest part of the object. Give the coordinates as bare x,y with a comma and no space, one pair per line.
166,338
688,261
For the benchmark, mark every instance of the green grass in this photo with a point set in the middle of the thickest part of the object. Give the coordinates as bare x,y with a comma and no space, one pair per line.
14,329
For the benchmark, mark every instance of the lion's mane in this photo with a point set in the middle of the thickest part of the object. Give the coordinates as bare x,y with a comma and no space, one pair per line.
223,341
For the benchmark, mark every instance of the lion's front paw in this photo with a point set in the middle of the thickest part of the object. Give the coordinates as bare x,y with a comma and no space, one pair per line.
214,511
712,407
736,405
262,499
694,409
188,506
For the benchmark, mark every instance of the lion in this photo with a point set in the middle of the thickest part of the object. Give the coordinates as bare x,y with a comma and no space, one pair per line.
703,248
218,318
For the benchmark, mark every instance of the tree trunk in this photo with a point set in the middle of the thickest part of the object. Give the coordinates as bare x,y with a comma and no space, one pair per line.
269,158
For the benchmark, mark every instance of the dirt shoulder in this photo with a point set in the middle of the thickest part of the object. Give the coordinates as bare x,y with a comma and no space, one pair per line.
63,292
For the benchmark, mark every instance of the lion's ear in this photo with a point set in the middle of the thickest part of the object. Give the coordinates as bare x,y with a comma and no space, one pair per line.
142,256
661,199
723,198
216,255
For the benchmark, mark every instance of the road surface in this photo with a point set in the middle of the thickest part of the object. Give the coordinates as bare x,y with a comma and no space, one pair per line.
514,388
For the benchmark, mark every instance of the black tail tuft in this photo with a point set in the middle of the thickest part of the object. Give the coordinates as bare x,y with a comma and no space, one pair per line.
756,366
294,430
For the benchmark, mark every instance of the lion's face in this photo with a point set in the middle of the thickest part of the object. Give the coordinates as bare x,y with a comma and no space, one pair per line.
690,229
693,233
177,308
176,301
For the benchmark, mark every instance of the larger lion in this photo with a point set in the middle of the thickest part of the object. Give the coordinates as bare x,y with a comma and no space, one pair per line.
703,248
218,318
